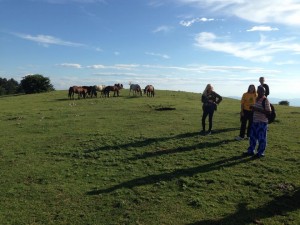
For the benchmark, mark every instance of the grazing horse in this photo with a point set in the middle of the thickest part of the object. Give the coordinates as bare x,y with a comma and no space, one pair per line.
149,89
116,89
135,88
100,88
90,90
77,90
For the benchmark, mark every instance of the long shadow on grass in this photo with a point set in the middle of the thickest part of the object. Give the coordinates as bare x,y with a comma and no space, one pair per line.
180,149
142,143
152,179
150,141
278,206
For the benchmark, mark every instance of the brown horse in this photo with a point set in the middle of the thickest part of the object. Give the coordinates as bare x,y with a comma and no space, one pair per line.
116,89
77,90
90,90
149,89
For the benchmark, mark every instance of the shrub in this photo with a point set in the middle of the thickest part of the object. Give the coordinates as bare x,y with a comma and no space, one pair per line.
36,84
284,103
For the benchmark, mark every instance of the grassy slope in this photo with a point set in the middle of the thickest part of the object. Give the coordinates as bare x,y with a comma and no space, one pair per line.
120,161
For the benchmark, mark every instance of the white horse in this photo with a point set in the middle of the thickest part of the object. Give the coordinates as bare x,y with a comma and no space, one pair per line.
135,88
100,88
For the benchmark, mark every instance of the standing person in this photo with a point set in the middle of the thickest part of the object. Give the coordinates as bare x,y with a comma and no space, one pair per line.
258,132
210,99
262,83
248,99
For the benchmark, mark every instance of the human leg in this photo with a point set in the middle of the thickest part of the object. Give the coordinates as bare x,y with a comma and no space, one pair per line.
243,125
250,121
262,139
204,115
210,118
253,139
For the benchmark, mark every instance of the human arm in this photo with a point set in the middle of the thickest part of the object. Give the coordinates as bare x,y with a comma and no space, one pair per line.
218,98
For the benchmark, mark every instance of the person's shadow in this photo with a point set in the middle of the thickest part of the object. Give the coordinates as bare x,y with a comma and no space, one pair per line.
186,172
278,206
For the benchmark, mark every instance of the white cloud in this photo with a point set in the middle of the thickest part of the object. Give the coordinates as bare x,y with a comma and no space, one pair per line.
72,65
266,11
157,54
126,66
98,49
164,29
208,68
289,62
47,40
263,28
116,66
191,22
261,51
97,67
71,1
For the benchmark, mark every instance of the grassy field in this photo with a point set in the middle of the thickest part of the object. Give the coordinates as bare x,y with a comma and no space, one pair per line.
123,161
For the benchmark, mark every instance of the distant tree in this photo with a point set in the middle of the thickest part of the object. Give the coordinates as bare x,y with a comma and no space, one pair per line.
284,103
36,84
12,86
7,87
2,91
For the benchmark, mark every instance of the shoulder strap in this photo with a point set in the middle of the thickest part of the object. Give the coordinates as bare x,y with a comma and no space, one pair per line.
264,103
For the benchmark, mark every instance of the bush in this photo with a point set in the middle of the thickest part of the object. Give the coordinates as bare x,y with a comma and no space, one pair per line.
36,84
8,87
284,103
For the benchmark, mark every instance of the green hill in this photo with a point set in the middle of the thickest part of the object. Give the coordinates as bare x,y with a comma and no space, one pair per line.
128,160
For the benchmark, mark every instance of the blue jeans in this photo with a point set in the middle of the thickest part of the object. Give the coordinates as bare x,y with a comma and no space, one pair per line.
258,133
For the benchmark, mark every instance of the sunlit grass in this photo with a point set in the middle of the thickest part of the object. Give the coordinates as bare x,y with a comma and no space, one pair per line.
122,161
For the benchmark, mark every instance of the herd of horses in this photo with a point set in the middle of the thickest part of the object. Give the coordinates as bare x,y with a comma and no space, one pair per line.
92,91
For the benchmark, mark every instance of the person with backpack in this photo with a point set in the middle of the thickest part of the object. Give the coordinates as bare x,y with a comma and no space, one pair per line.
210,100
264,85
246,115
258,131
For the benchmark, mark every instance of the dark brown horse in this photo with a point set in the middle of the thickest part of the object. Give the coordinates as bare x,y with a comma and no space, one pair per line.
116,89
77,90
90,90
149,90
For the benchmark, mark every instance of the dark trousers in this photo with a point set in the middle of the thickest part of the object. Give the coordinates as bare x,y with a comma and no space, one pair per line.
248,117
207,111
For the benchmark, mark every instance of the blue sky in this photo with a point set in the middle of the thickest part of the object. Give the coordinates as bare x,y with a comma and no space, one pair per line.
172,44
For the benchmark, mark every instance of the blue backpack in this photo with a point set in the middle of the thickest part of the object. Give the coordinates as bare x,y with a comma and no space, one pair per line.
271,117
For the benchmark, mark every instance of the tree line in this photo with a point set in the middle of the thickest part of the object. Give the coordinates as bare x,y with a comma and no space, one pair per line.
29,84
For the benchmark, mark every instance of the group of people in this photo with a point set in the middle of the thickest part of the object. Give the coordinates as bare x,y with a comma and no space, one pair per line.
254,109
